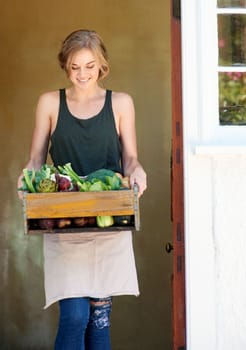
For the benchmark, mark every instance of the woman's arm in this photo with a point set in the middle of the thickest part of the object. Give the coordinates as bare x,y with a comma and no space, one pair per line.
41,133
125,115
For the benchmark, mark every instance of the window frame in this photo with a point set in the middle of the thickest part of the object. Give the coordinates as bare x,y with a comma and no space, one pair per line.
200,75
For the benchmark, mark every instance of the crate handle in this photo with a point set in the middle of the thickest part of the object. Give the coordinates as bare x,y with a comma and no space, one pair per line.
136,207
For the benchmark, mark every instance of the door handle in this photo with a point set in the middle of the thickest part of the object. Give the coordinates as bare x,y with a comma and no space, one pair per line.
169,247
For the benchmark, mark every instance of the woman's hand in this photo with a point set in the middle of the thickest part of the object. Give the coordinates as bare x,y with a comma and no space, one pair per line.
19,185
138,176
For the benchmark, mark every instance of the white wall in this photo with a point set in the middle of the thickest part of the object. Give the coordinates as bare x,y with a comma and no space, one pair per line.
215,251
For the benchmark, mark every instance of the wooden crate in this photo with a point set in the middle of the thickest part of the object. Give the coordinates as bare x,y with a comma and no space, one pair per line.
80,204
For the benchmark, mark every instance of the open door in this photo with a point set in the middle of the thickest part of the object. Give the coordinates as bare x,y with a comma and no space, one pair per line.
178,280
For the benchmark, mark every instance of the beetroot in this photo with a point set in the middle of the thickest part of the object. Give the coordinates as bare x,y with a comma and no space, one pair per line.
46,224
91,220
64,183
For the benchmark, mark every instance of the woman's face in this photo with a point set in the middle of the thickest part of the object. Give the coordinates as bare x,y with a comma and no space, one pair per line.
83,69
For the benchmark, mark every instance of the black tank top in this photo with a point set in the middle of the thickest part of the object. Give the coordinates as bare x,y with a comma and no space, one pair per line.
88,144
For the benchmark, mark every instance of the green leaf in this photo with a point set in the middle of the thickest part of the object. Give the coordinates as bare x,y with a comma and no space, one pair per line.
98,186
28,179
114,182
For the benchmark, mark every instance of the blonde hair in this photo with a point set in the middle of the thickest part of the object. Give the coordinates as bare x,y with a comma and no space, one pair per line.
81,39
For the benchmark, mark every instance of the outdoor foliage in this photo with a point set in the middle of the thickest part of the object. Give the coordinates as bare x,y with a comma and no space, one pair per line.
232,53
232,98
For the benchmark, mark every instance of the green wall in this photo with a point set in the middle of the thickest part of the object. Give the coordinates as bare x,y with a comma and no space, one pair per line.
137,35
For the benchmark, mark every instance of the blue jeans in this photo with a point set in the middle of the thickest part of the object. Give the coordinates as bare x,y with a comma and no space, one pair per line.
83,325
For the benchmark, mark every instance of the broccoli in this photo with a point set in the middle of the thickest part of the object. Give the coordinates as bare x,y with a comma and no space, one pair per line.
107,176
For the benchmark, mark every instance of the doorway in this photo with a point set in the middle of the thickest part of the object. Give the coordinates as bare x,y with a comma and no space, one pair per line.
137,35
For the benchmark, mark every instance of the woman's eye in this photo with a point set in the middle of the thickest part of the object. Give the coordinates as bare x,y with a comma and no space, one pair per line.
75,68
90,67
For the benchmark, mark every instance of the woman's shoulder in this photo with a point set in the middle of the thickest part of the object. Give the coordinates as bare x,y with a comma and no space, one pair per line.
122,99
50,96
49,101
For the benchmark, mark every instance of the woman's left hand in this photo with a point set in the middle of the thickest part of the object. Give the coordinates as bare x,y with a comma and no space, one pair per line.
138,176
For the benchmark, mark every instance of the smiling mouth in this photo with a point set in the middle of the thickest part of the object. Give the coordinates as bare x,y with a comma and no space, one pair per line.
83,80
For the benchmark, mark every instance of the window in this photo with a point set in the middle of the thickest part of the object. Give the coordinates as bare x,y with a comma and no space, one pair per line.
231,22
214,72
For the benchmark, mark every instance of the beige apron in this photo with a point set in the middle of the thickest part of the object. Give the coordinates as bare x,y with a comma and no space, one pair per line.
89,264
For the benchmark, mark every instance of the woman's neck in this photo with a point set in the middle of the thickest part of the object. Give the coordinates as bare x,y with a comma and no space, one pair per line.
85,94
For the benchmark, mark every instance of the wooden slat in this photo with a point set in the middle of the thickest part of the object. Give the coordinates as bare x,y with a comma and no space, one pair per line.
76,204
178,281
81,230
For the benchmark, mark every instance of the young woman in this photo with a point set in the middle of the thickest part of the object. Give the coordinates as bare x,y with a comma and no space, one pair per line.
91,128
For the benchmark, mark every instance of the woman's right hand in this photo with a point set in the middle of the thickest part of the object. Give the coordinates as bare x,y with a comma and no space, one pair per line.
19,185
